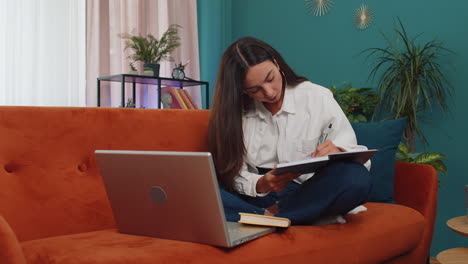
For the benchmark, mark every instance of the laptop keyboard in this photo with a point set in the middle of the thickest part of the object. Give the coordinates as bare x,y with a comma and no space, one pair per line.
235,232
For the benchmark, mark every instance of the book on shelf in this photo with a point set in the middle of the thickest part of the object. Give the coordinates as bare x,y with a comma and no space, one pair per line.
263,220
184,95
189,98
184,105
312,164
177,101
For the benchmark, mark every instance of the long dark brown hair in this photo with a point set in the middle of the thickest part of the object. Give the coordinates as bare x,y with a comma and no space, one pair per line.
225,134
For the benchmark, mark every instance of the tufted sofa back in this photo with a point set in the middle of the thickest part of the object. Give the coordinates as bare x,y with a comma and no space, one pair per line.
49,179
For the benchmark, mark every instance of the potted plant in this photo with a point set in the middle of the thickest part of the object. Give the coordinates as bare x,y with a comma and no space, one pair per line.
411,80
150,50
357,103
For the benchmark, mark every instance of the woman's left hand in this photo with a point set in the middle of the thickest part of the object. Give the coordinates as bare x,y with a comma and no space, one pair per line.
326,148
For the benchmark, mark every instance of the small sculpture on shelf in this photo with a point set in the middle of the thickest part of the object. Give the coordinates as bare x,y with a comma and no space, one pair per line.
128,104
166,100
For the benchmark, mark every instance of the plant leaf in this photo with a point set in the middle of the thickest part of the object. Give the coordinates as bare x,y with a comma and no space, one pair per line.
403,150
428,157
361,118
439,166
404,159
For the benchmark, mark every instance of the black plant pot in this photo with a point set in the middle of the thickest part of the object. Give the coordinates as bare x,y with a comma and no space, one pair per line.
154,68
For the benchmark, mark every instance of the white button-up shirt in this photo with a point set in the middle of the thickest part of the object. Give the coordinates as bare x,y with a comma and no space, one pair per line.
292,133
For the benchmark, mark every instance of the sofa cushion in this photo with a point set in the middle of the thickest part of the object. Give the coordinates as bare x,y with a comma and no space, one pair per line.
384,136
358,241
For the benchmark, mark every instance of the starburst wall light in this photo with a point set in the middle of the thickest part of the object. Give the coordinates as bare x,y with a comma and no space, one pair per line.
363,17
319,7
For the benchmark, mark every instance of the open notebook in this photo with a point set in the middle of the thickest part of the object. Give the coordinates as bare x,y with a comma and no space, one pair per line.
312,164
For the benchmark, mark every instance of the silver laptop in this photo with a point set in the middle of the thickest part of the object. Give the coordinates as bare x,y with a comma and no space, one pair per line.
170,195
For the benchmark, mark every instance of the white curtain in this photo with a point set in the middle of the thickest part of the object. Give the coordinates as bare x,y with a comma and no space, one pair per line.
42,52
106,19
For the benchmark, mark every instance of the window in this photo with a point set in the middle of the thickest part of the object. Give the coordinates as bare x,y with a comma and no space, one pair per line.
42,52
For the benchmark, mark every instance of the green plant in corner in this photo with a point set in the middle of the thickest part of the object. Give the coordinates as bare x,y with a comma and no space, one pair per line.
410,80
358,104
435,159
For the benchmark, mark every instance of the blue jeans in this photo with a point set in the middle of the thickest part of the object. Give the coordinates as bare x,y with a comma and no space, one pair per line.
334,189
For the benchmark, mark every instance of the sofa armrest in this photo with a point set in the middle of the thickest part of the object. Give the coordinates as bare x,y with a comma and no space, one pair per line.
10,249
416,186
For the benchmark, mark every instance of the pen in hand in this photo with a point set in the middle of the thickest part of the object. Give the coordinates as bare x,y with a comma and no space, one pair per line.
326,134
322,138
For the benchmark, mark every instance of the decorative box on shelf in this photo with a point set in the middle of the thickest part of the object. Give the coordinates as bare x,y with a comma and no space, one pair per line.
159,82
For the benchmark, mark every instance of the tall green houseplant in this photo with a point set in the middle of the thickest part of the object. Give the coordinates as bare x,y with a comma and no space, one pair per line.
410,79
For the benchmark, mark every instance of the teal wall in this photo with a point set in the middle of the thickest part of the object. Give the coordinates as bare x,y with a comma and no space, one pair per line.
215,34
327,50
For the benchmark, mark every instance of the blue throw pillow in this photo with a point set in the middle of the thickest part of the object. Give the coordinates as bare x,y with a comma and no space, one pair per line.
384,136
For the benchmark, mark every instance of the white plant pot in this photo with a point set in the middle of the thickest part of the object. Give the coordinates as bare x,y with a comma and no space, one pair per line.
148,73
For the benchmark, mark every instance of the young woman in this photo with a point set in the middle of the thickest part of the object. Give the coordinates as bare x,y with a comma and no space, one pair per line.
264,114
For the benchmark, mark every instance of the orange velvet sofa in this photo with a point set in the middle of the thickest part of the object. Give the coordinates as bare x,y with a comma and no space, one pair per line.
54,208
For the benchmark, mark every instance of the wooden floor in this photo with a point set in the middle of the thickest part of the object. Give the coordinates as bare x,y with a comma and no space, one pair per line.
434,261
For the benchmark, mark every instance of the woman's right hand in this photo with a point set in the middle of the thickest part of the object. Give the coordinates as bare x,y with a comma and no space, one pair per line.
276,183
